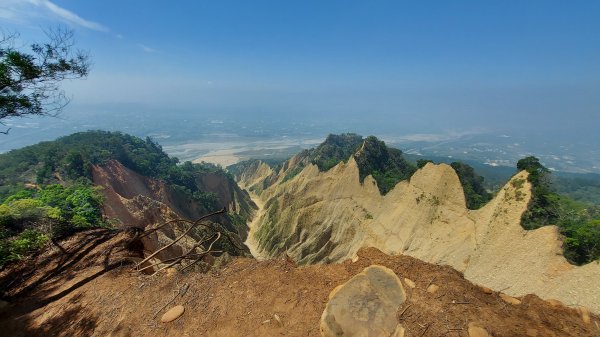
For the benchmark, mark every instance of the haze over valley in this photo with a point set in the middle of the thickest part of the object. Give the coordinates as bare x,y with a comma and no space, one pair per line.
299,168
194,136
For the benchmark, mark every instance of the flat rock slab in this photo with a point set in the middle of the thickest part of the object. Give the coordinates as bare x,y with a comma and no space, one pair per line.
172,314
366,305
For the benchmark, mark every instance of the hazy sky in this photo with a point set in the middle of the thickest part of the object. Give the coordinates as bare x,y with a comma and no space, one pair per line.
418,65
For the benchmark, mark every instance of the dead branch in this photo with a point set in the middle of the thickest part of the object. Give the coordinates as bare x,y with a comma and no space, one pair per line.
430,282
402,313
197,222
187,255
209,250
192,253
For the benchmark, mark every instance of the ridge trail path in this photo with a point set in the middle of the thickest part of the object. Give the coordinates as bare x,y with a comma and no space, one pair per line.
251,242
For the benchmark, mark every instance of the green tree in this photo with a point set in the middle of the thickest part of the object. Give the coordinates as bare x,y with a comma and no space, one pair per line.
544,206
578,222
29,80
475,193
422,162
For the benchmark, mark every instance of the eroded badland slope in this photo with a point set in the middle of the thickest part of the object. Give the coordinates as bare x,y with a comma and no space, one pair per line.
91,289
325,217
327,221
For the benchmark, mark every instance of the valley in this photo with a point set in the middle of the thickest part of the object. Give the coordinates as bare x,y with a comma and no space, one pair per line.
298,230
299,168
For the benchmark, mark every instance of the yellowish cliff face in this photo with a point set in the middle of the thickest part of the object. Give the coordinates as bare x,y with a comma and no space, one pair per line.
324,217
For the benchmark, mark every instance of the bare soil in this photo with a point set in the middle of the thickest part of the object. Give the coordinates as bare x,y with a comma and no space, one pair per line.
88,288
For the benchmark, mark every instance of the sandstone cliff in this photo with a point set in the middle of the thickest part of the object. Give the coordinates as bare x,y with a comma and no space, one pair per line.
325,217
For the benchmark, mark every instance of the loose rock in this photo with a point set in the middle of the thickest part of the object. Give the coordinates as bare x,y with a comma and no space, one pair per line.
555,303
487,290
477,331
410,283
510,299
432,288
278,319
172,314
585,314
366,305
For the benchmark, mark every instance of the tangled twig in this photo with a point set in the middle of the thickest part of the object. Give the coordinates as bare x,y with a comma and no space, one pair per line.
190,254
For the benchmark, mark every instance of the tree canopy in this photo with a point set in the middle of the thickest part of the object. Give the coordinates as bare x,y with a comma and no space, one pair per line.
29,80
387,165
475,193
578,222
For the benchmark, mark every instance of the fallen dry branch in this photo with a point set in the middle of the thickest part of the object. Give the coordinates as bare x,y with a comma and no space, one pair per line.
208,251
402,313
192,253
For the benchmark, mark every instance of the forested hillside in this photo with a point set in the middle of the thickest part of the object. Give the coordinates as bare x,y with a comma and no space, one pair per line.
70,158
46,190
385,164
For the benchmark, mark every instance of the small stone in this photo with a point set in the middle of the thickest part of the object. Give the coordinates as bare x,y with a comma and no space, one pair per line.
532,332
432,288
477,331
410,283
487,290
266,321
172,314
278,319
171,271
585,314
555,303
510,299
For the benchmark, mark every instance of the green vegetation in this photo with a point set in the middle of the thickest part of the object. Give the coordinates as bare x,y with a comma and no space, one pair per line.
335,149
70,158
63,198
30,217
422,162
473,185
293,172
386,165
580,187
29,80
544,205
578,222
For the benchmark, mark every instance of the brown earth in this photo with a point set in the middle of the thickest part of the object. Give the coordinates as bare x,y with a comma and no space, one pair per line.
134,200
91,290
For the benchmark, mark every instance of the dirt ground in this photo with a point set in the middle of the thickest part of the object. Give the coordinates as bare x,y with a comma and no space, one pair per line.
90,289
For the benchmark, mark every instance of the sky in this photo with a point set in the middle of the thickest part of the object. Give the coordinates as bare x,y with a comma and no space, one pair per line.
395,66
